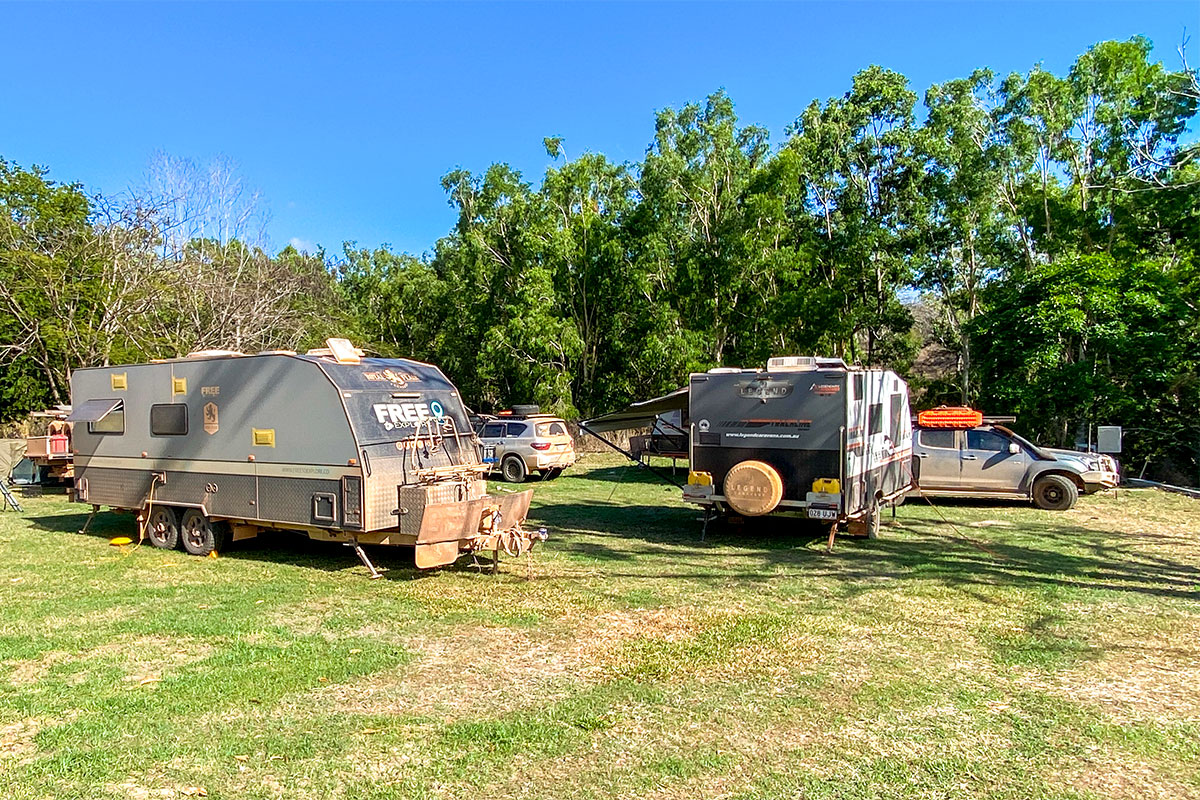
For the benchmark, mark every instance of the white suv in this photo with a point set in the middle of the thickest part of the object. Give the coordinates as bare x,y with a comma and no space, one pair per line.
517,445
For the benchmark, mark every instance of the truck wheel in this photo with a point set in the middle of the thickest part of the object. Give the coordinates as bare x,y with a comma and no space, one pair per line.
1054,493
513,470
162,529
200,535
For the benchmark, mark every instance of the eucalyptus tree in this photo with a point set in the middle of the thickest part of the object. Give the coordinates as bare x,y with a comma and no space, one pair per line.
863,183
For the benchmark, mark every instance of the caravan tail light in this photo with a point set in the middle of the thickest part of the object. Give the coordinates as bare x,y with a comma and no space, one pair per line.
950,417
540,445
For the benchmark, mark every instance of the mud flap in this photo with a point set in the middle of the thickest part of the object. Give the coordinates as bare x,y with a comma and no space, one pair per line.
450,528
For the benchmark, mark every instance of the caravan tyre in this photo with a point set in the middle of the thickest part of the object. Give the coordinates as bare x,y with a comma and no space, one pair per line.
201,535
513,470
162,529
753,488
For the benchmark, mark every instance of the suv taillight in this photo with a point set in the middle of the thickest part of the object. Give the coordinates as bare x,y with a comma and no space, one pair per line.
540,445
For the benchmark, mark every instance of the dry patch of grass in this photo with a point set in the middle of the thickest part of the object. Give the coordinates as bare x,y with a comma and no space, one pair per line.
472,669
1145,673
17,740
1126,779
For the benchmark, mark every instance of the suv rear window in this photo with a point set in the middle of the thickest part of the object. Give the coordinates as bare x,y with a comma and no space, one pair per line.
551,429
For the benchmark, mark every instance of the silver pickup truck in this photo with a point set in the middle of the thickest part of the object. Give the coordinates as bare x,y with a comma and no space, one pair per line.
990,460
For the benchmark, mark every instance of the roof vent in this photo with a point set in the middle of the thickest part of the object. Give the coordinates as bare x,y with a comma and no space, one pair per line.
340,350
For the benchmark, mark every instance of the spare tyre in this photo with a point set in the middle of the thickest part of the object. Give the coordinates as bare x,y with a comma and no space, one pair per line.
525,409
753,488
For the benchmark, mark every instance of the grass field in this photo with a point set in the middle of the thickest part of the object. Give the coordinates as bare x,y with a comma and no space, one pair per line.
1016,653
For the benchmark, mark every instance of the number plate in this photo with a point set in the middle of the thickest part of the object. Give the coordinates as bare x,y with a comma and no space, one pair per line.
489,454
822,513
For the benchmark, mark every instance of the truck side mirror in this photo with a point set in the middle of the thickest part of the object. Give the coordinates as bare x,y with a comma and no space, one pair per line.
1014,448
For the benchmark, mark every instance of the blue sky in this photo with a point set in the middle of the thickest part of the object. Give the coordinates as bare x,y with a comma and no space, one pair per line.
345,116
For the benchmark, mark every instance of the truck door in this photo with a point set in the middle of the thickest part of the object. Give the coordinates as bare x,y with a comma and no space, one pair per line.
937,449
987,464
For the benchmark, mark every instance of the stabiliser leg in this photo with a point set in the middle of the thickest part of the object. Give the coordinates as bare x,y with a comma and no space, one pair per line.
362,556
88,523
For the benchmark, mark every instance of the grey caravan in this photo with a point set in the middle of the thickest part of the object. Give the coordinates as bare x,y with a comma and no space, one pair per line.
809,435
331,444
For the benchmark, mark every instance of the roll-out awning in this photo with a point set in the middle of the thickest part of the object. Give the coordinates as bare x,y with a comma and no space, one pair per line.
93,410
641,414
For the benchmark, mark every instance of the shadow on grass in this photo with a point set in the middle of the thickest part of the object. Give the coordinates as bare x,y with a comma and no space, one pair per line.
1036,554
650,542
275,547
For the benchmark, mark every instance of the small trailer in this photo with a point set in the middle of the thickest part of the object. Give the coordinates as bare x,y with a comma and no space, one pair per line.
220,445
806,435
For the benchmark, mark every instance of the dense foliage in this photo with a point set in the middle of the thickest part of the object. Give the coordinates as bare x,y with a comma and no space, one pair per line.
1026,244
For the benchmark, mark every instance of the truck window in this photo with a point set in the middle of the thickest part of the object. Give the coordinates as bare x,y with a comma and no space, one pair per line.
875,419
492,431
986,440
516,429
168,419
941,439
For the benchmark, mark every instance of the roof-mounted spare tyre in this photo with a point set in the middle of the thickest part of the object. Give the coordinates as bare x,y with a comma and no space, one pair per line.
525,409
753,488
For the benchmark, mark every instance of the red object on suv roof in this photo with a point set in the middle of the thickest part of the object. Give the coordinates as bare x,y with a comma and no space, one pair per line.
950,417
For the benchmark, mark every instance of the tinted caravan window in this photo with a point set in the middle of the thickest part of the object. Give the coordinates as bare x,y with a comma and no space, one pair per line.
169,419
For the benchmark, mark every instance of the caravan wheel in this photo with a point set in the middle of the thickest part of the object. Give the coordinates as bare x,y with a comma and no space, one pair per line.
162,529
201,535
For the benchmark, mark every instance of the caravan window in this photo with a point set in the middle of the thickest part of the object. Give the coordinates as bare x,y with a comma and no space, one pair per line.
897,411
168,419
875,419
112,423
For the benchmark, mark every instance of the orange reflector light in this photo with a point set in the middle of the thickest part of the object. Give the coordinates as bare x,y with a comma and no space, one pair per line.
950,417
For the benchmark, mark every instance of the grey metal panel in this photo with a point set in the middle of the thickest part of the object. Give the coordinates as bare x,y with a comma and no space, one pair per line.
290,500
123,488
235,496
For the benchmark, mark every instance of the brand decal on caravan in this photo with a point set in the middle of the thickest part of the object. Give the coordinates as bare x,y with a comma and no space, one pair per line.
392,415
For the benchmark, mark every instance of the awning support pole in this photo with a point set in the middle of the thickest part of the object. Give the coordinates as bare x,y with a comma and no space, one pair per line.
629,455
